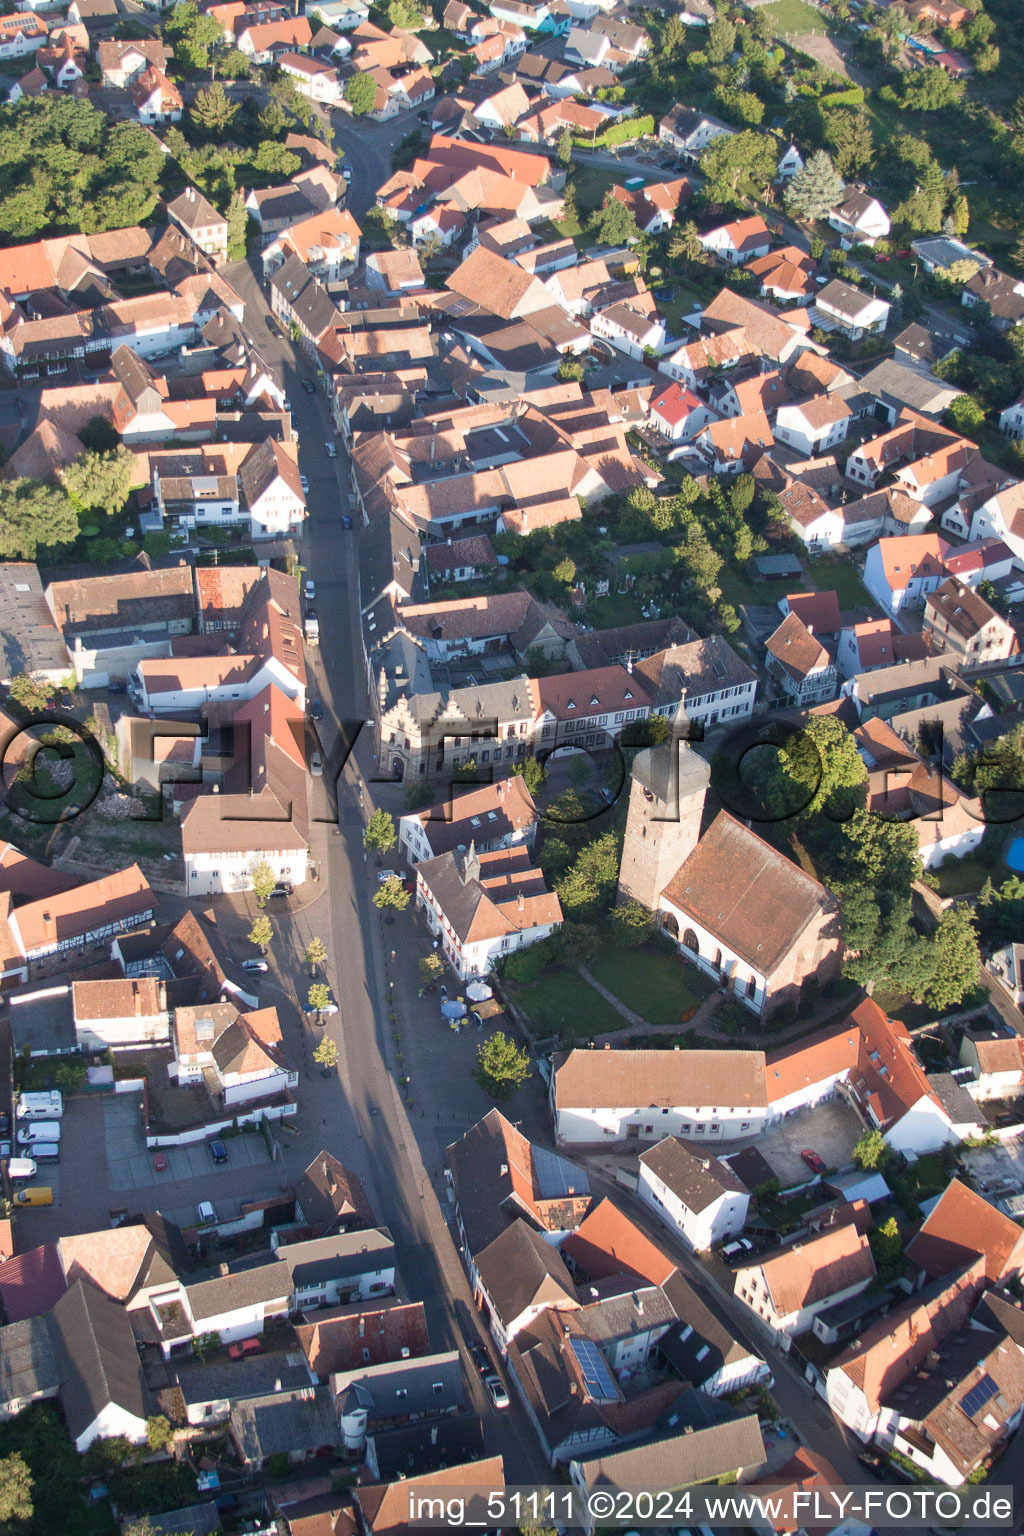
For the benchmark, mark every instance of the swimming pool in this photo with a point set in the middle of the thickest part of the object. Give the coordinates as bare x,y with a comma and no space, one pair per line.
1014,855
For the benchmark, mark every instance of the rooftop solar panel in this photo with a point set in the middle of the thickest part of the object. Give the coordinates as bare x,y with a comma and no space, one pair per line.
978,1396
597,1378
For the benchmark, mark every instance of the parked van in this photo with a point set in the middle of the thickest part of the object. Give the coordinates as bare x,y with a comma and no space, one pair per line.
21,1168
41,1106
45,1151
37,1194
38,1130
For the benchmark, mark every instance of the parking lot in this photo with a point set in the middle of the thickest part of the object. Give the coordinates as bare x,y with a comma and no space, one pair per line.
830,1129
130,1162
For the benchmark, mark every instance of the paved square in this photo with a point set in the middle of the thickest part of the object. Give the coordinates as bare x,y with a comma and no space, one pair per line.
130,1161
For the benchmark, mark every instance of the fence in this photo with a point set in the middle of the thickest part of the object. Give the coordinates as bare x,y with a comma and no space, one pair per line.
202,1132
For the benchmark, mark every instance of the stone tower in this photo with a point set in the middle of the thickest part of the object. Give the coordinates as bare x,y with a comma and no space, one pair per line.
666,802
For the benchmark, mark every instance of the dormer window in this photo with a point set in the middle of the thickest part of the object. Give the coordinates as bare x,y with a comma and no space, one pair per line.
570,704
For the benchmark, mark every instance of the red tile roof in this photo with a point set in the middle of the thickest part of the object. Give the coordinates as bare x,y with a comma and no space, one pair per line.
962,1225
607,1243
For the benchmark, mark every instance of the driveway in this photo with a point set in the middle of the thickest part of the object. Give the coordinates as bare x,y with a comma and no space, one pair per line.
830,1129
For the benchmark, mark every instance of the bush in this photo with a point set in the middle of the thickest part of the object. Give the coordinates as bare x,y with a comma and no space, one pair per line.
526,965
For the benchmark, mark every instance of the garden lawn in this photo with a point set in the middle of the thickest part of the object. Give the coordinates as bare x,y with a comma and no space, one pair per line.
656,985
957,877
739,587
793,16
828,572
564,1004
614,610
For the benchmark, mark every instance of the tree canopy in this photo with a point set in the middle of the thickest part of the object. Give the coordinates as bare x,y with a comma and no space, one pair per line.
751,155
360,93
63,167
34,515
615,223
502,1066
816,189
100,481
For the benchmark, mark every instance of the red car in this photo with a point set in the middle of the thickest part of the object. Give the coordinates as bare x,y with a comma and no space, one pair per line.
812,1160
160,1163
904,254
245,1347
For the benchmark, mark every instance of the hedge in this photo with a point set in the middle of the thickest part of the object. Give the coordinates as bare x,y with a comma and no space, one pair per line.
854,97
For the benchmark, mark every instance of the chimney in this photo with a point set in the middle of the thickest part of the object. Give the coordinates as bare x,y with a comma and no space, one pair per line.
222,1269
433,1434
504,1170
137,997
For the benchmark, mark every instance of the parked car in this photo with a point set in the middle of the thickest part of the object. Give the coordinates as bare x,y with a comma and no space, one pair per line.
737,1250
206,1212
316,765
304,482
346,170
499,1397
813,1161
5,1123
309,589
308,386
346,521
332,450
39,1194
480,1358
386,874
159,1162
257,966
243,1347
284,889
316,709
218,1151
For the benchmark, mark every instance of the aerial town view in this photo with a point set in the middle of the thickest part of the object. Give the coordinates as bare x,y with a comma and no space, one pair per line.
512,735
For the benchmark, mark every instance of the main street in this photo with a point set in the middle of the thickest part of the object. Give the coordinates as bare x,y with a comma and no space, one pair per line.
357,1112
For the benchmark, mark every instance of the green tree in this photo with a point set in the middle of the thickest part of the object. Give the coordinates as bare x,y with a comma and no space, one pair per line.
565,571
588,886
238,227
100,481
967,414
570,210
570,371
699,560
684,242
24,690
391,893
159,1434
502,1066
721,40
848,135
887,1250
957,959
326,1055
360,93
380,835
564,150
615,223
261,933
213,111
274,120
191,35
16,1484
263,881
673,38
274,160
931,90
319,996
822,762
814,190
533,772
33,516
315,954
870,1151
404,14
730,156
633,921
431,968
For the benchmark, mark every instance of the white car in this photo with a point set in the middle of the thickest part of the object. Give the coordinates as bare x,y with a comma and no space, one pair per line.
310,589
254,965
499,1397
207,1214
386,874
